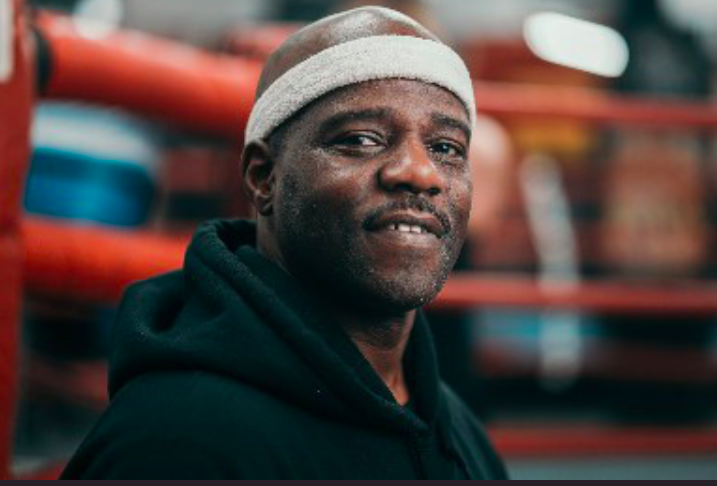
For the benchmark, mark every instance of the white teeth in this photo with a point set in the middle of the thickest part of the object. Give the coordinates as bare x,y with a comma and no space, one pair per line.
407,228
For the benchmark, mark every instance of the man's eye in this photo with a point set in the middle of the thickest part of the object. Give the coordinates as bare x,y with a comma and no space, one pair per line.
448,149
358,140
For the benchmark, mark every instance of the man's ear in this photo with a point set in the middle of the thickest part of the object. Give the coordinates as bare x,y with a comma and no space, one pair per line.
257,167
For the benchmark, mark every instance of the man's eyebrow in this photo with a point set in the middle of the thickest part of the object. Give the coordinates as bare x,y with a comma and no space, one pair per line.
449,121
349,116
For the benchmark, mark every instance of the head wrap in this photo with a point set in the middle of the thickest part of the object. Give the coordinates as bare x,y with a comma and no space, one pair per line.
357,61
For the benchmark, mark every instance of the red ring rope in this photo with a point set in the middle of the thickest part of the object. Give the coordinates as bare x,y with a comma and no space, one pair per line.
150,76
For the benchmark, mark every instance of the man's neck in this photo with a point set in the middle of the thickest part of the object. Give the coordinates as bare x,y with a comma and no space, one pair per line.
383,343
382,340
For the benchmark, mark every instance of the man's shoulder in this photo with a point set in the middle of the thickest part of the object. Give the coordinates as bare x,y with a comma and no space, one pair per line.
180,424
204,396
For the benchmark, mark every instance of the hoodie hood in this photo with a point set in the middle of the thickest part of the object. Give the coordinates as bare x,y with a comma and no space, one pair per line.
233,312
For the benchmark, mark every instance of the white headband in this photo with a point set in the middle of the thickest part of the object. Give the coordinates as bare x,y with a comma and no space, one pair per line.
357,61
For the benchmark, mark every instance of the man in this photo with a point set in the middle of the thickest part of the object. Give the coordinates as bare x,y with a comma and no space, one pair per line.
292,348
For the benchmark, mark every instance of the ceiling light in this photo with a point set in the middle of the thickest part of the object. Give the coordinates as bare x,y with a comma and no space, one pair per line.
577,44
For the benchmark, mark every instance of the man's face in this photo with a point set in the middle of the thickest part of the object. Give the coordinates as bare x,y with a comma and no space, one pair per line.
373,193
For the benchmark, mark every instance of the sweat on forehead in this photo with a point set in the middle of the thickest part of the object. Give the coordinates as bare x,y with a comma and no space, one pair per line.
337,29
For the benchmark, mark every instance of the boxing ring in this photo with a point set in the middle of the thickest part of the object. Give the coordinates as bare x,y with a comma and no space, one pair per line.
197,91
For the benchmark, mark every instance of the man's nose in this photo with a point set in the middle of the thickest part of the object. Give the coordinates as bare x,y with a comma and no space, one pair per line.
412,169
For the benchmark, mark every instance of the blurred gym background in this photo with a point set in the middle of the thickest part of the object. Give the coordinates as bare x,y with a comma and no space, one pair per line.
581,322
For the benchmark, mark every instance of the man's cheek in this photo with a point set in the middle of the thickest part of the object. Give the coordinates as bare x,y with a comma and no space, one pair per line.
462,203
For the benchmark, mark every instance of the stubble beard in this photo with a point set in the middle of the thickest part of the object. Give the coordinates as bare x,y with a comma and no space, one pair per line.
336,268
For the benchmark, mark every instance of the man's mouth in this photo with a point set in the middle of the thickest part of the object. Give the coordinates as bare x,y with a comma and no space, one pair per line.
407,222
408,228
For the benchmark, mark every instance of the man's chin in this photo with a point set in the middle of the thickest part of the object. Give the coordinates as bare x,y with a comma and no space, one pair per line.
398,297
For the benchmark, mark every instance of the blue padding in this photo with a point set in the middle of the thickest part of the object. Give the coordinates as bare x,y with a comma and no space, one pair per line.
71,185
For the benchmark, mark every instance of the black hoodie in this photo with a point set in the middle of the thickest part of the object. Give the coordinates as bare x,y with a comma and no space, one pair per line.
228,369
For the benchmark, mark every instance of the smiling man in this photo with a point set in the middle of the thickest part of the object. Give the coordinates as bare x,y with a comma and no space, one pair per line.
292,347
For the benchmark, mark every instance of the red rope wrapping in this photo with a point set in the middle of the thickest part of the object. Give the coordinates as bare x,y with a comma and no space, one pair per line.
16,98
602,442
153,77
591,106
90,263
466,291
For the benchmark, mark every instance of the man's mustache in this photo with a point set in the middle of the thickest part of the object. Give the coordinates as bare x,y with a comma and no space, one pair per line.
410,203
